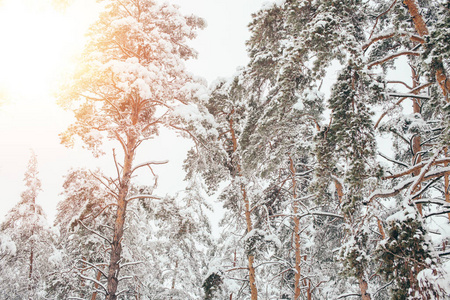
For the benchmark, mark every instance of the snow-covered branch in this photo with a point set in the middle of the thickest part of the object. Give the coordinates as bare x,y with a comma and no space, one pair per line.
347,295
407,95
393,160
95,281
144,196
149,163
392,56
416,167
95,232
405,183
94,266
131,264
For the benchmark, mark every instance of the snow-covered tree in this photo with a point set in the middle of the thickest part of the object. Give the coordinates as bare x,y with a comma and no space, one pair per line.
27,243
130,79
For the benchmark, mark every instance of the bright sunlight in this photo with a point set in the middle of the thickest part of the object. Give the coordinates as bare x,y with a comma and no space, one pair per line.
39,47
39,44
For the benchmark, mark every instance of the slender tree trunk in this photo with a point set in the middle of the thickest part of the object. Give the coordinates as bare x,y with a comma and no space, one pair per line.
99,276
251,258
417,158
116,246
30,273
174,279
446,182
248,219
363,286
297,244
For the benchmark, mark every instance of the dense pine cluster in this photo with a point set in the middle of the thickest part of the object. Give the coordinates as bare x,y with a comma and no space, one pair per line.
330,152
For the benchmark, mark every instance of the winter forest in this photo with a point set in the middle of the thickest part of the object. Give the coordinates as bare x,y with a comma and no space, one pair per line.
328,153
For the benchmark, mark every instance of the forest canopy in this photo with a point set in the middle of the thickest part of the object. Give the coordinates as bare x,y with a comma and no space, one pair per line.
329,153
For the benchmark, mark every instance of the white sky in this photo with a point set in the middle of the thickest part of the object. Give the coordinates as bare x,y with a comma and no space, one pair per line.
37,44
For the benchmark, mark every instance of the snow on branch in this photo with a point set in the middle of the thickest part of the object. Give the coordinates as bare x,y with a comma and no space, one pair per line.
94,266
417,167
407,95
347,295
95,232
405,183
94,281
424,170
390,34
125,278
146,196
392,56
317,213
149,163
131,264
392,160
437,213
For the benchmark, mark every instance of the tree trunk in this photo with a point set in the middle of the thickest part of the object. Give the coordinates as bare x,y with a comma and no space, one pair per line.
116,246
248,219
446,183
417,158
363,286
297,245
99,276
30,273
251,258
422,30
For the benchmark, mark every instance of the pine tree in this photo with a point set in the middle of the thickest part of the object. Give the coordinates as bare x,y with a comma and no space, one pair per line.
29,246
131,77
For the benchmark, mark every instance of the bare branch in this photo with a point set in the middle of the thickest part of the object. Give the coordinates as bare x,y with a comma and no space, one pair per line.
117,166
393,160
122,142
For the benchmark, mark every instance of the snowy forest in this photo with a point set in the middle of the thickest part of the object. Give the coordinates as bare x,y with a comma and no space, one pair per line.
329,153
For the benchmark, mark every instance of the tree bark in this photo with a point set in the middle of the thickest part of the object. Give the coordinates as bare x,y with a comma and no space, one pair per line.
417,158
363,286
248,219
251,258
297,244
99,276
422,30
446,182
116,245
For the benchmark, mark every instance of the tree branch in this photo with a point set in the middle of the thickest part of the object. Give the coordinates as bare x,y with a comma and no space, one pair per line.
95,232
149,163
94,281
392,56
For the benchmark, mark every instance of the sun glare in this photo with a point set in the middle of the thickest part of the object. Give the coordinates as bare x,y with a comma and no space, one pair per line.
39,44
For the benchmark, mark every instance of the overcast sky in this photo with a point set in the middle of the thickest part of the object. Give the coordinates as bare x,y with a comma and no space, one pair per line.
32,120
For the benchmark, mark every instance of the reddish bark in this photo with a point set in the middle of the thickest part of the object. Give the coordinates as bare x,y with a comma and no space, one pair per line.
297,288
99,276
116,245
422,30
363,286
248,220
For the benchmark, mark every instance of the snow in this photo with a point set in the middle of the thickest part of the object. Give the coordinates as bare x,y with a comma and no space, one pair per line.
7,245
56,257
